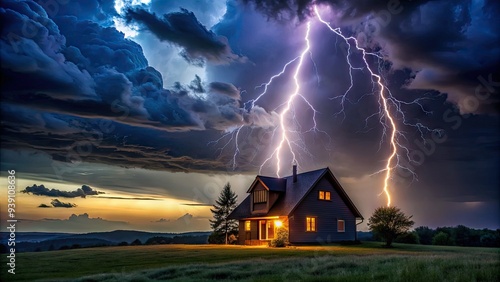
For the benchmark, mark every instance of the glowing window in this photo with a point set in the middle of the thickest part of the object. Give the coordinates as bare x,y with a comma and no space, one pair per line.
247,225
324,195
340,225
310,224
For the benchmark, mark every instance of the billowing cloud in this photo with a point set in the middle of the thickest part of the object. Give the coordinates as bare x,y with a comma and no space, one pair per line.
225,89
83,81
450,46
41,190
58,204
183,29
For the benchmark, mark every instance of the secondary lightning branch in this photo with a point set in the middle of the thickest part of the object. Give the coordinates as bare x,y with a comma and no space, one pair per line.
390,107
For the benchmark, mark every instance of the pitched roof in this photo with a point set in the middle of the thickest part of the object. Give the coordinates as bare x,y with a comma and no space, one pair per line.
295,192
271,183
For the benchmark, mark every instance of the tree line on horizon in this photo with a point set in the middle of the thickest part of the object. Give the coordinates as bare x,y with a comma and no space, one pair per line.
459,235
390,224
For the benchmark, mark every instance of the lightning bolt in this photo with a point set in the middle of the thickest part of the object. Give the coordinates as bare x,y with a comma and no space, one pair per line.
285,109
390,110
284,137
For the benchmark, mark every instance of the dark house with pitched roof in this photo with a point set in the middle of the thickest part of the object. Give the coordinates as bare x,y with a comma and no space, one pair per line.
312,205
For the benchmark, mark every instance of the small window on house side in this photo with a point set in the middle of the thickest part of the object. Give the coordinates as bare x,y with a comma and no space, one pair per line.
324,195
247,225
340,225
310,224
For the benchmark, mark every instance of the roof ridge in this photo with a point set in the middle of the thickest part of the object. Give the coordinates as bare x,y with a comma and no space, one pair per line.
311,171
284,177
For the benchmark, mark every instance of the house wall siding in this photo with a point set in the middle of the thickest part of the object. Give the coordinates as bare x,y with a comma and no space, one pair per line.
241,232
326,212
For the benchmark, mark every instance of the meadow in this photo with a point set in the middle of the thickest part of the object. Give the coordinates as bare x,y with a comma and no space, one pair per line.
365,262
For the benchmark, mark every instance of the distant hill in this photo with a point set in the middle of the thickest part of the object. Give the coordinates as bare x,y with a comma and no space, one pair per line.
45,241
60,244
118,236
30,236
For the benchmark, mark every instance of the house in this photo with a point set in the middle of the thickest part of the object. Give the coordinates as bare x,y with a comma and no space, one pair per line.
312,205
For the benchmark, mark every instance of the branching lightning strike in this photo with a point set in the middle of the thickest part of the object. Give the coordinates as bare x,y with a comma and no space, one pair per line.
284,137
390,109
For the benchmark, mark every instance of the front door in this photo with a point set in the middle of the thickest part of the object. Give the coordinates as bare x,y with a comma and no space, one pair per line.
270,229
266,229
262,230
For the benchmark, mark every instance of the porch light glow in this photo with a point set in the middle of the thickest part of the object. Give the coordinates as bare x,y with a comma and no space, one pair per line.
278,223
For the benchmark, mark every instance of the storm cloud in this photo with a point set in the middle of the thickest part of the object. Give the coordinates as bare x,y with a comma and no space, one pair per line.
183,29
41,190
58,204
82,78
450,46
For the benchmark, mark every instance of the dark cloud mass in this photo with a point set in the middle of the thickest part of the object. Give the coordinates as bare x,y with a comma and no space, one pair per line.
451,46
58,204
183,29
67,76
41,190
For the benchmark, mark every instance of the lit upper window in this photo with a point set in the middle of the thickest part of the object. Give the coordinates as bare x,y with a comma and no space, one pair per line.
324,195
247,225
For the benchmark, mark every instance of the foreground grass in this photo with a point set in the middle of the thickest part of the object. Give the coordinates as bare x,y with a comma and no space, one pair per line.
239,263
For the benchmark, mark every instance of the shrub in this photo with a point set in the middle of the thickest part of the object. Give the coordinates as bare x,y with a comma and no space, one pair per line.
281,239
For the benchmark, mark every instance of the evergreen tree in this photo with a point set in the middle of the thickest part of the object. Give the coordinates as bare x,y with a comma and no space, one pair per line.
224,205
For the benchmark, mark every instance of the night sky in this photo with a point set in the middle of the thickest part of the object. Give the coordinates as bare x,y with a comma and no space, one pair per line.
133,114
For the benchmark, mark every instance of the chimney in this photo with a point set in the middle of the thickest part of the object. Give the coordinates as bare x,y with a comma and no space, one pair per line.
294,173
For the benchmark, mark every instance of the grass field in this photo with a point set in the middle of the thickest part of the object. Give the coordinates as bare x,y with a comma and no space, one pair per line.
364,262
